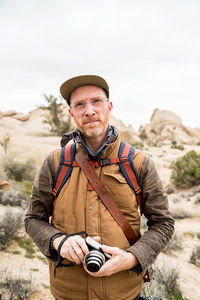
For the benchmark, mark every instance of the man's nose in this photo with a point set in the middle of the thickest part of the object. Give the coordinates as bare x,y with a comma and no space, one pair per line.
89,109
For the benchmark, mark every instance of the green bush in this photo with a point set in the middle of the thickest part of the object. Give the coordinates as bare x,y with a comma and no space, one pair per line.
20,171
186,170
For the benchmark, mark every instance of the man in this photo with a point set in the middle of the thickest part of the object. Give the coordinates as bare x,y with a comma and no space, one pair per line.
78,207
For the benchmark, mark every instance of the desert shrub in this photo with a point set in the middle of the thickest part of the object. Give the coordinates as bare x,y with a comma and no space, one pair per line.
58,125
186,170
138,145
12,198
20,171
174,244
164,283
9,225
178,147
15,288
195,257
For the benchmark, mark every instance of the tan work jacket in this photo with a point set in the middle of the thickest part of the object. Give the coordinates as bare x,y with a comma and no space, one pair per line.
78,208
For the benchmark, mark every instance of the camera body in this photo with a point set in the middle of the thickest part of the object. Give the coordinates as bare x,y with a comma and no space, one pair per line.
96,257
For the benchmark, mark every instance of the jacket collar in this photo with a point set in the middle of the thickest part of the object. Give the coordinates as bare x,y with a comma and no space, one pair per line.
76,135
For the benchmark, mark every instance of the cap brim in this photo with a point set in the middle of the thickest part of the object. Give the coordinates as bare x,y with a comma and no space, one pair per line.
70,85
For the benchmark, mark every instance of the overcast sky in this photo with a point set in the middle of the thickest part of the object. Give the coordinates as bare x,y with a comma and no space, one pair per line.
148,51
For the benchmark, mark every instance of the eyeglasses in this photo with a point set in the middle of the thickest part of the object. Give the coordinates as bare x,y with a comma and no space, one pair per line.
80,106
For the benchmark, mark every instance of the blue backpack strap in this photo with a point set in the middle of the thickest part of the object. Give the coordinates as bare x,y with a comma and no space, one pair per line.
126,153
67,157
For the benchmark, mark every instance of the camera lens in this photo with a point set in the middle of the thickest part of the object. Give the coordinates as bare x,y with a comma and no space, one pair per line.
94,260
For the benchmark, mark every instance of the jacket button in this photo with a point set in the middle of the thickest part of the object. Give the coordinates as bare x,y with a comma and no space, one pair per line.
90,207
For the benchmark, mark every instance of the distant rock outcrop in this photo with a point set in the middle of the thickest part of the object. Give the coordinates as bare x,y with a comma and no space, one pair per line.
9,113
4,185
165,127
22,117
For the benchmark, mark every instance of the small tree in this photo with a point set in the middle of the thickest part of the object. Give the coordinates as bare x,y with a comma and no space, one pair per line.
55,118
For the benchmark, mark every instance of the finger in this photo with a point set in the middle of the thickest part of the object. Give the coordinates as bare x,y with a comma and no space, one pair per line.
77,259
97,238
110,250
76,251
80,242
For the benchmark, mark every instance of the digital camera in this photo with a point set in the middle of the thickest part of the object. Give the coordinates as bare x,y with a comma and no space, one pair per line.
96,257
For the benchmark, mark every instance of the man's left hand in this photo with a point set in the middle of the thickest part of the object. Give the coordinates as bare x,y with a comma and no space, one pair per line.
120,261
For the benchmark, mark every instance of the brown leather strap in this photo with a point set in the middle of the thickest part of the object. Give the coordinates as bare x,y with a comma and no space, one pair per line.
106,198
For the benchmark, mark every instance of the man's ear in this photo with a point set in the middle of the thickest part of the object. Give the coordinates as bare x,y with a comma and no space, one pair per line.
70,112
110,106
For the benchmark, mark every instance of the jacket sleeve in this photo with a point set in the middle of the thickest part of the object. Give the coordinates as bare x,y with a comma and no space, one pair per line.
37,218
160,222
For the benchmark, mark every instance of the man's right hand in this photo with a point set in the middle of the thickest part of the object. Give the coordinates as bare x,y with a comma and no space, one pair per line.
74,248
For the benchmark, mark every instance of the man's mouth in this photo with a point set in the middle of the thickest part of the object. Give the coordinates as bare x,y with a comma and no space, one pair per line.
90,122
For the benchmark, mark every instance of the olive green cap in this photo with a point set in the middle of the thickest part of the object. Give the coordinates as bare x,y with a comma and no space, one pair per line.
71,84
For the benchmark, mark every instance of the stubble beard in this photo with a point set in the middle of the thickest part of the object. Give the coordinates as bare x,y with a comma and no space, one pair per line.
94,133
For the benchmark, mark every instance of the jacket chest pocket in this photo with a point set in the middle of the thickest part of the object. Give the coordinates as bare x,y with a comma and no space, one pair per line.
119,189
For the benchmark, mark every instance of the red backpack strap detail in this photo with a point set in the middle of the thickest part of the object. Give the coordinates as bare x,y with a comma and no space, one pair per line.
67,156
126,153
62,169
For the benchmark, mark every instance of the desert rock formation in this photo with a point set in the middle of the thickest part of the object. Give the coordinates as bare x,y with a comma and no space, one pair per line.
166,127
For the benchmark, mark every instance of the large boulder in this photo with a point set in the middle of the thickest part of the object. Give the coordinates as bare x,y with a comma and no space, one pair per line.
162,118
165,127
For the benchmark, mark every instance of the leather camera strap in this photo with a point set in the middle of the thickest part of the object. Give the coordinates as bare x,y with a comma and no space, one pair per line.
107,200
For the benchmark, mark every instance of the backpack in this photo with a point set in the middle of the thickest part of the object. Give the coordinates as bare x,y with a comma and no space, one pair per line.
124,159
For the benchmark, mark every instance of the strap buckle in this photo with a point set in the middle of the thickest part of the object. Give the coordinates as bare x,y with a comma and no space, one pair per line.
105,162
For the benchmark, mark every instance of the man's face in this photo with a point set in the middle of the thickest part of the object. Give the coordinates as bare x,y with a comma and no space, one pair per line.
90,109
